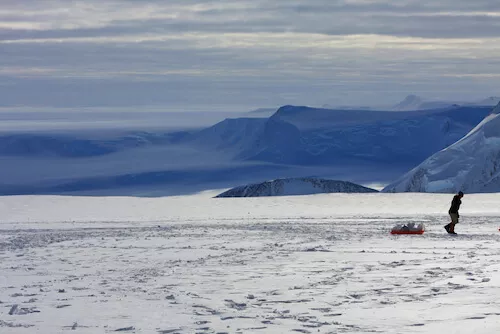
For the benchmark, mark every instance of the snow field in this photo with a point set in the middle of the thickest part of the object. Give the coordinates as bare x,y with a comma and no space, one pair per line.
307,264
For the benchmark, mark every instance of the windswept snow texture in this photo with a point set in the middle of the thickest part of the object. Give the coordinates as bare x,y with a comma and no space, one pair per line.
295,186
471,165
155,156
301,264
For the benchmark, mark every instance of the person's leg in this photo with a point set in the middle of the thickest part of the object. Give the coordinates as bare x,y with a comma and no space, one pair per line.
454,221
448,226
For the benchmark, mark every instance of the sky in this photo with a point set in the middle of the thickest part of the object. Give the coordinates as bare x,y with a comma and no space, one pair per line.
230,55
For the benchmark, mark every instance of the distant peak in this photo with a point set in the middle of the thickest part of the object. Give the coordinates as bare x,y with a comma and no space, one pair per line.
411,102
290,110
489,101
413,97
286,108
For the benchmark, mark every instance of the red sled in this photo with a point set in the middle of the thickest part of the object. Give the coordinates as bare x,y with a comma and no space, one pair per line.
410,228
408,232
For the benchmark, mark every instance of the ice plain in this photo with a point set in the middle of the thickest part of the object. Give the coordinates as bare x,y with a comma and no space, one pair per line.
308,264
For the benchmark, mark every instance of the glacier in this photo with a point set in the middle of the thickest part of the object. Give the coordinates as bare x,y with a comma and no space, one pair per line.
471,165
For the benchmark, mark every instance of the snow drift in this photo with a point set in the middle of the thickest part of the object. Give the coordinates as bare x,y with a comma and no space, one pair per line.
295,186
472,164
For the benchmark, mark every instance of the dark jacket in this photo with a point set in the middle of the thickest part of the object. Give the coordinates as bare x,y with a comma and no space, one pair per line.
455,204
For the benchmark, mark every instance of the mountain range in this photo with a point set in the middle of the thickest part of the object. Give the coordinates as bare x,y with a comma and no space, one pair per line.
363,146
413,103
472,164
309,136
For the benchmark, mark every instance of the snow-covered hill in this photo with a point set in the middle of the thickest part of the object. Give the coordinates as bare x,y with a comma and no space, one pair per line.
295,186
472,164
411,102
231,134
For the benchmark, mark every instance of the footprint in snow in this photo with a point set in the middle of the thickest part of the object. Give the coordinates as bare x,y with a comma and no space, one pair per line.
63,305
125,329
238,306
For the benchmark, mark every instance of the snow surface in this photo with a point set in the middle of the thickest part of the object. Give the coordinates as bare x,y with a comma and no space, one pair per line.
471,165
320,263
295,186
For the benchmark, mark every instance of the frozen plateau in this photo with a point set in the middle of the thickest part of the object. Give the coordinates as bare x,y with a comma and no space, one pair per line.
322,263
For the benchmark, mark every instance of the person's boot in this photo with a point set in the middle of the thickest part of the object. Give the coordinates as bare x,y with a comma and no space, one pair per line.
447,228
452,229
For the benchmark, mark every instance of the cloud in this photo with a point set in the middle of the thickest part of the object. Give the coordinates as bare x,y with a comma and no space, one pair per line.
260,52
441,19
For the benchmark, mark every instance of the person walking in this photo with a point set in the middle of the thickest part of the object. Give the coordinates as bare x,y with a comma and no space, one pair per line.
454,215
